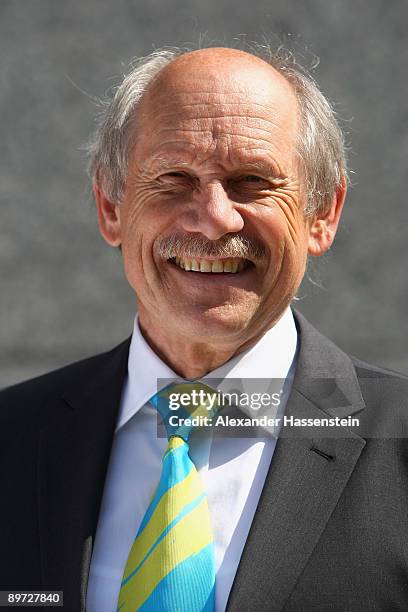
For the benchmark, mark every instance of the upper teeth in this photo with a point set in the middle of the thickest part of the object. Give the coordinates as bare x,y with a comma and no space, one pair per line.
210,265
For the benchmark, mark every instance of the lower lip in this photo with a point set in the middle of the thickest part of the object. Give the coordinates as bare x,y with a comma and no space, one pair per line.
223,278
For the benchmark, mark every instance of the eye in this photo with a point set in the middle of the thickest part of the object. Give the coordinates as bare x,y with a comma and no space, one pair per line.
175,175
250,181
252,178
176,181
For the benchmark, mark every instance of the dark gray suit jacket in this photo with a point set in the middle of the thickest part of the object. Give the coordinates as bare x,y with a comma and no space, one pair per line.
331,529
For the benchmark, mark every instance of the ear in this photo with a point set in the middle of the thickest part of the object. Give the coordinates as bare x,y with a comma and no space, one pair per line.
323,227
108,217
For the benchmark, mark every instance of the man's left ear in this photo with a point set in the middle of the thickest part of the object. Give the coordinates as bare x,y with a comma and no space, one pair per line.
323,227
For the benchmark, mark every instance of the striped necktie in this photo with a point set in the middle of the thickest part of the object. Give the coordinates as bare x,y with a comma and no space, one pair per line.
170,567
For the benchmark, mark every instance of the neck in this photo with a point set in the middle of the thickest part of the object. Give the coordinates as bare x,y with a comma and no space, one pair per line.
190,358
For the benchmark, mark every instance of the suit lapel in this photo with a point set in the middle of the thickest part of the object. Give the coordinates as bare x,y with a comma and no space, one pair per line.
305,480
73,459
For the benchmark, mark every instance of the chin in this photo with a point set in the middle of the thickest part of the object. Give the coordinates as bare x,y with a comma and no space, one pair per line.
218,321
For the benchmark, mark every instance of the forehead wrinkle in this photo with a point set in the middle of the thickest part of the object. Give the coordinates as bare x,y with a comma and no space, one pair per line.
210,99
193,123
168,111
217,120
194,139
240,158
184,91
212,136
215,145
219,127
232,90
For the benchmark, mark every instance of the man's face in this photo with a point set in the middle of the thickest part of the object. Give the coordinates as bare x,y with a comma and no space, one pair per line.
214,159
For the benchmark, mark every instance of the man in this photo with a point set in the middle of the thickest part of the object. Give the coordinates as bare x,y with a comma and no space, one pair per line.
217,173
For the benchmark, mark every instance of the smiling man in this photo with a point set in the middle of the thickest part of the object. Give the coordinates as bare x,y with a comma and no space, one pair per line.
211,220
217,172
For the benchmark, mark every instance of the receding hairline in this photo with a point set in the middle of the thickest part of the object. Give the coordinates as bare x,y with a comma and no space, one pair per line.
210,62
217,55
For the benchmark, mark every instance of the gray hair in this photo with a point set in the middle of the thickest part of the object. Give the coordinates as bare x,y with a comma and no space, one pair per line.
321,147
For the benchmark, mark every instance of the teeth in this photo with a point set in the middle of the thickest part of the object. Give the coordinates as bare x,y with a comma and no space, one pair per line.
217,266
206,265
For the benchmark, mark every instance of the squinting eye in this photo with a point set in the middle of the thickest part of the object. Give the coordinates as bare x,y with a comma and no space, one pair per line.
176,178
251,181
175,174
252,178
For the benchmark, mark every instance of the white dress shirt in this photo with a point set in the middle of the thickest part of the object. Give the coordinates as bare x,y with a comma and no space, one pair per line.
233,469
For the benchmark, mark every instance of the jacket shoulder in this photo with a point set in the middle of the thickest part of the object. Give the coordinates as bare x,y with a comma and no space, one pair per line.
29,400
385,392
370,370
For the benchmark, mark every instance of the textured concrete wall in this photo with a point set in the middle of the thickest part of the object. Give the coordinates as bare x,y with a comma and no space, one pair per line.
63,295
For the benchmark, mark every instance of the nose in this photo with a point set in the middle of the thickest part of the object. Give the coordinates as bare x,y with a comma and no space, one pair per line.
212,213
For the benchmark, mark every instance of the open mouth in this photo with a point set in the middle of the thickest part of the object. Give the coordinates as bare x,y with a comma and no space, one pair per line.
212,266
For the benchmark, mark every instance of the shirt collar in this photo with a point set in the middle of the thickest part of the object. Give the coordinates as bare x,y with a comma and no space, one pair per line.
273,356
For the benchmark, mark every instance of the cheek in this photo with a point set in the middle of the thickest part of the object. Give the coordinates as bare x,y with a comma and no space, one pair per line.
140,219
136,236
136,207
148,211
293,227
294,246
288,203
284,231
145,218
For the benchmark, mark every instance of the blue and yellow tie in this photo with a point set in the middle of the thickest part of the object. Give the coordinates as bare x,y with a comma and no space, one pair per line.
170,567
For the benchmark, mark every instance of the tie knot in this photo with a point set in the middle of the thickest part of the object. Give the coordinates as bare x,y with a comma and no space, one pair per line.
185,406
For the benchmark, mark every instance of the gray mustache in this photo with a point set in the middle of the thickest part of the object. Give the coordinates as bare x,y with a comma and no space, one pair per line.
192,246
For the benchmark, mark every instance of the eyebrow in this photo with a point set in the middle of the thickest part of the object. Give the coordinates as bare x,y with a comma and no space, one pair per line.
263,167
165,164
259,166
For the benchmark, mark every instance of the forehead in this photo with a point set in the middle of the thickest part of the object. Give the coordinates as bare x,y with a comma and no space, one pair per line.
238,111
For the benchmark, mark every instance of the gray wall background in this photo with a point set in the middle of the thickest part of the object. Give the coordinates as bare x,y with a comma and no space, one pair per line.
63,293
